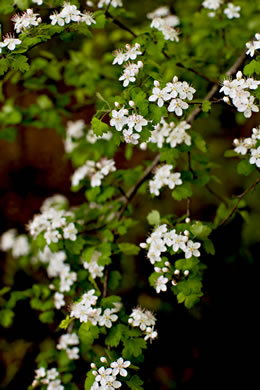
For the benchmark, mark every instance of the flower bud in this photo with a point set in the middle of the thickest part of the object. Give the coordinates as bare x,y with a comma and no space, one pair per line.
117,104
157,269
174,283
92,365
186,272
143,245
165,269
177,272
103,359
131,103
226,99
167,264
187,220
186,233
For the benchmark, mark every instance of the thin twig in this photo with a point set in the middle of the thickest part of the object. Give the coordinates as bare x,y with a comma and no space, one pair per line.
197,72
240,197
219,197
120,24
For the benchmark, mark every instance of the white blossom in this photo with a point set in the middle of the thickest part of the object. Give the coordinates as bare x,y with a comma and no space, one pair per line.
212,4
159,95
192,249
160,284
59,300
113,3
87,18
8,239
107,318
10,42
119,118
232,11
26,20
255,157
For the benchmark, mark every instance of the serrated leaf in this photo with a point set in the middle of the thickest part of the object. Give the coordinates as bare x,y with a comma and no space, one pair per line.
90,379
135,383
20,63
65,323
206,106
114,336
128,248
133,347
4,65
182,192
200,231
99,127
245,168
88,333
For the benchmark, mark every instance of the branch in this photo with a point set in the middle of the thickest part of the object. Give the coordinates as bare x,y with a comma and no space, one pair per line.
240,197
197,72
120,24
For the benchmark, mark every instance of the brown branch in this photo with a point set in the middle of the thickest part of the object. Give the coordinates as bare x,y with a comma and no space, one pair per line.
219,197
197,72
240,197
120,24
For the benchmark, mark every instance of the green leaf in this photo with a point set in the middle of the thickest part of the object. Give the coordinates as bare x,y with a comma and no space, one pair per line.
133,347
200,231
209,247
4,65
129,249
244,168
251,68
87,254
65,323
99,127
88,333
114,280
6,318
230,153
20,63
206,106
75,247
114,336
90,379
182,192
156,113
47,317
154,217
135,383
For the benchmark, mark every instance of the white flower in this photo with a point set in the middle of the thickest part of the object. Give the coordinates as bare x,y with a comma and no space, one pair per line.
76,129
113,3
70,232
243,145
212,4
57,19
141,318
132,51
136,122
52,236
130,137
119,119
256,133
55,385
161,284
59,300
174,180
26,20
248,108
120,57
159,12
130,72
40,373
21,246
107,318
10,42
192,249
252,47
255,157
179,242
8,239
87,18
93,267
73,353
38,2
150,333
161,95
70,13
232,11
119,367
177,106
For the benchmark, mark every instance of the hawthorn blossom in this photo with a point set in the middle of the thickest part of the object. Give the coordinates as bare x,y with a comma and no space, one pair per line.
87,18
255,157
38,2
70,13
160,284
164,177
141,318
177,106
10,42
107,318
232,11
59,300
66,341
192,249
26,20
93,267
70,232
119,367
160,95
252,46
130,72
130,137
8,239
243,145
119,118
136,122
212,4
57,19
248,107
113,3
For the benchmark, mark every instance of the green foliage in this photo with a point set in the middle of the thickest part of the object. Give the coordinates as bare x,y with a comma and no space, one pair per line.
135,383
182,192
154,217
128,249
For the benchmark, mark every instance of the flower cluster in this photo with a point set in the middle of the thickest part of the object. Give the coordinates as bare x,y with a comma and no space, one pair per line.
244,145
161,238
133,120
131,69
70,13
49,378
231,11
252,46
145,321
163,21
130,53
95,171
57,268
237,90
164,177
175,91
10,240
26,20
84,311
93,267
38,2
69,340
106,377
169,133
55,225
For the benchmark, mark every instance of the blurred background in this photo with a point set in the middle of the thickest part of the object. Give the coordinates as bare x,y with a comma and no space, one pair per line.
206,347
